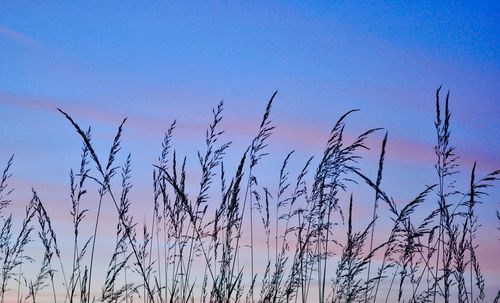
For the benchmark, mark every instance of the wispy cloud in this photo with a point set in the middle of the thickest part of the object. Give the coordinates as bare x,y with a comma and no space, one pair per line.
290,133
16,36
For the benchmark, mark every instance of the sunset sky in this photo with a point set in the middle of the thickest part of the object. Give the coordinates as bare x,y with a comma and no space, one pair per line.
157,62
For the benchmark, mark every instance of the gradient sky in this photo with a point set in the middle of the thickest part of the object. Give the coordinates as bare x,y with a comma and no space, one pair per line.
157,62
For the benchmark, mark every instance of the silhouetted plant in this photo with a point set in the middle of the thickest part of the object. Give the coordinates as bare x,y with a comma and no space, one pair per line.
193,248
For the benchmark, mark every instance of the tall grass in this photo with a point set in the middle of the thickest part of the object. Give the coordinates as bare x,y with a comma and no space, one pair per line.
193,248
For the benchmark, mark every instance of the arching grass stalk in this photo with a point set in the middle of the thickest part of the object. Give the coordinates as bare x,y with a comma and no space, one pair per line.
259,143
106,175
375,206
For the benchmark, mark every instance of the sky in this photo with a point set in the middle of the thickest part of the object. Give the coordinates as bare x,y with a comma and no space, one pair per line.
161,61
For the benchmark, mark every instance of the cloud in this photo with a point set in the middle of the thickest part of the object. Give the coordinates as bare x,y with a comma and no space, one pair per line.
16,36
308,137
51,105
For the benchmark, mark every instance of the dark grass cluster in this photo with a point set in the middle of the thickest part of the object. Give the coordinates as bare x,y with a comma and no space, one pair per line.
201,246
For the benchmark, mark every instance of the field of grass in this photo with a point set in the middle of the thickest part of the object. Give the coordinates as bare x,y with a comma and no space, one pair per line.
194,247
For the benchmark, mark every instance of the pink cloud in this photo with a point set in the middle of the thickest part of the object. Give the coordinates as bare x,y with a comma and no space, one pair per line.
15,36
309,137
50,105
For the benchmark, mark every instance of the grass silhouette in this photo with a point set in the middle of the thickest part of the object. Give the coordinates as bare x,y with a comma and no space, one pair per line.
191,249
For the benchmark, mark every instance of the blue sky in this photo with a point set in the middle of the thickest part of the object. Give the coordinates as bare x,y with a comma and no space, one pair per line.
161,61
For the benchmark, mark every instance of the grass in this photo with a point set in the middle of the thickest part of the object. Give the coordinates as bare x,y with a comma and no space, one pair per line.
192,248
